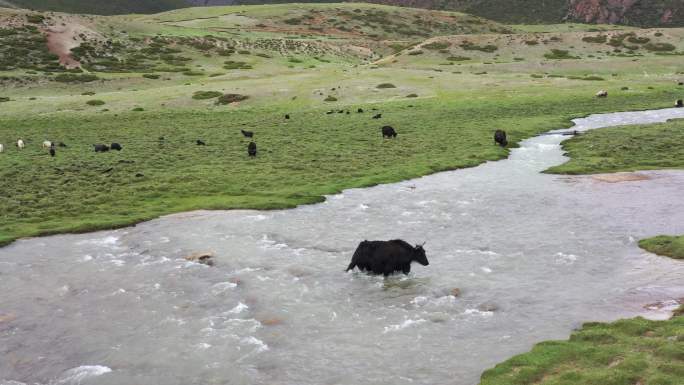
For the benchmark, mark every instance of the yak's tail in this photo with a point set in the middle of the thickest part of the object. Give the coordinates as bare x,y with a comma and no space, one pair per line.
351,266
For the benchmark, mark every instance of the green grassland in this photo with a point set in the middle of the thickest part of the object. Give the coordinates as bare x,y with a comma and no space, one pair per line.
629,148
626,352
669,246
139,74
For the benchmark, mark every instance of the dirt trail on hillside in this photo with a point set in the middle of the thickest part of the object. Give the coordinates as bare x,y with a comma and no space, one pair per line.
60,41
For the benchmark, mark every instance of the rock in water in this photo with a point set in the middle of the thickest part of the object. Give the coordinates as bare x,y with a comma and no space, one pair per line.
203,258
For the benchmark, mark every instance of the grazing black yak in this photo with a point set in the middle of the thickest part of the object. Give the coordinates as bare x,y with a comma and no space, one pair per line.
360,111
101,147
679,103
247,134
61,144
251,149
200,142
378,116
388,132
116,146
52,151
500,138
387,257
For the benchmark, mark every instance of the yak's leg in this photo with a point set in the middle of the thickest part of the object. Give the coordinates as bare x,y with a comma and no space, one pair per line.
406,269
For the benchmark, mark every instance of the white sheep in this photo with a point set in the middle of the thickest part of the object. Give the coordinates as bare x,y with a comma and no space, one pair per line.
2,148
20,144
602,94
47,144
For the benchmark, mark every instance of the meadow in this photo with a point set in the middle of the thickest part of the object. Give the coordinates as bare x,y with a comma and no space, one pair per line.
156,76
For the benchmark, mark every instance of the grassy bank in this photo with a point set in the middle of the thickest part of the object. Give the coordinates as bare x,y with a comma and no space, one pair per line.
626,352
630,148
669,246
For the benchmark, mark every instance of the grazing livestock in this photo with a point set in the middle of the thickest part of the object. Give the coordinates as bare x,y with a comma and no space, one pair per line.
287,116
388,132
500,138
52,151
116,146
21,144
61,144
247,134
101,147
360,111
387,257
251,149
47,144
2,148
200,142
602,94
378,116
679,103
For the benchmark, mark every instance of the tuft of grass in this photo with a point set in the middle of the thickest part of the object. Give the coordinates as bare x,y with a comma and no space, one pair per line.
669,246
330,98
386,85
559,54
626,352
629,148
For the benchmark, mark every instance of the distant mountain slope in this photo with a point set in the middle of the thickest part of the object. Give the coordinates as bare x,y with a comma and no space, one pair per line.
645,13
100,7
632,12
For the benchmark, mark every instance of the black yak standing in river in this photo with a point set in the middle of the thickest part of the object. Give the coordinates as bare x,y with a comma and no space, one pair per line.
387,257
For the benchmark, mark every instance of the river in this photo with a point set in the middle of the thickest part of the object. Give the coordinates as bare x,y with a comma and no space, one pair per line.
534,256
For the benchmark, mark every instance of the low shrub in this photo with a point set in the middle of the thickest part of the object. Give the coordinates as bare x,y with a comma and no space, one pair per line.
559,54
415,52
458,58
88,93
412,95
468,46
4,99
437,45
638,40
151,76
236,65
95,102
600,39
330,98
231,98
660,47
138,109
386,85
75,78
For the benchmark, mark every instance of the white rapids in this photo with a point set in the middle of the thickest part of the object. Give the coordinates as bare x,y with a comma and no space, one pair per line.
534,256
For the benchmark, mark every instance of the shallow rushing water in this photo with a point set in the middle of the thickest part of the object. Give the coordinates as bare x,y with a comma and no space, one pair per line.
535,255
